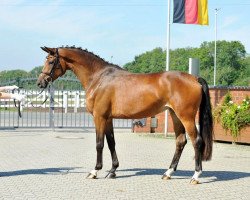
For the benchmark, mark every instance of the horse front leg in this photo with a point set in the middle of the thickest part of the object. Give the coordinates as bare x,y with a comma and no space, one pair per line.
111,144
100,124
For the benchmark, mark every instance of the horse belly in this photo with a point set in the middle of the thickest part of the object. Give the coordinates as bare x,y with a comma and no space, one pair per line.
137,106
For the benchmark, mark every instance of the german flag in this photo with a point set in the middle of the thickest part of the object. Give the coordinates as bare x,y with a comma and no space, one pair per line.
190,12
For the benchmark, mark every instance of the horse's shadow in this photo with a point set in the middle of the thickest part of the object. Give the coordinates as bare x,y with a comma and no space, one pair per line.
179,174
42,171
185,174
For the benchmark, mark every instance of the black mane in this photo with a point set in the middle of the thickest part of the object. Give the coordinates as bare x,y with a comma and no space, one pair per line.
91,53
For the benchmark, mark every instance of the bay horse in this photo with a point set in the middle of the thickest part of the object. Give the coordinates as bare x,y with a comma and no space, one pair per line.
111,93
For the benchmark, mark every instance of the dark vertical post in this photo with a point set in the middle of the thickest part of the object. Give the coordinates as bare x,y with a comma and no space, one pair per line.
51,107
153,124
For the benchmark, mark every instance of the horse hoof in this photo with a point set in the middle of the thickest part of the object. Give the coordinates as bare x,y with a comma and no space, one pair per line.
165,177
194,182
111,175
91,176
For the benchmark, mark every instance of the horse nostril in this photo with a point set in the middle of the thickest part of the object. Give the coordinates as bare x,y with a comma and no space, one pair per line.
39,84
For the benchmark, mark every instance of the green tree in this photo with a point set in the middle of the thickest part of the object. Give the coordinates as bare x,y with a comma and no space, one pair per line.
151,61
232,64
230,57
179,59
36,71
10,75
244,74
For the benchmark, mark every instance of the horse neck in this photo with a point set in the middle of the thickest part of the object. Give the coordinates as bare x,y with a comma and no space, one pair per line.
86,67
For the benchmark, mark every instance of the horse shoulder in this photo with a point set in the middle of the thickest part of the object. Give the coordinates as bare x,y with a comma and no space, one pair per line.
99,94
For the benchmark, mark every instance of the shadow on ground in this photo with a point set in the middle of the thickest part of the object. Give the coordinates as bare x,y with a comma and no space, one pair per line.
185,174
179,174
44,171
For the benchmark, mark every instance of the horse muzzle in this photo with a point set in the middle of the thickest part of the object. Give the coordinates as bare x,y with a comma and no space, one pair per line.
43,81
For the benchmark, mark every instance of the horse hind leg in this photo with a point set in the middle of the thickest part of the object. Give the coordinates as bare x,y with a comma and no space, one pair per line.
180,144
111,144
197,142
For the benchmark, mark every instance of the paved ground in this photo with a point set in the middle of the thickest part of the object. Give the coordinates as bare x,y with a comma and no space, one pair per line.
40,164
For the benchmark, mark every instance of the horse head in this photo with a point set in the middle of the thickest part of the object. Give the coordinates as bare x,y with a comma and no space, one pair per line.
54,67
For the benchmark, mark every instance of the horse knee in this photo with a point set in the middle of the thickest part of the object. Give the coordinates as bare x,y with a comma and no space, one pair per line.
181,142
99,146
198,143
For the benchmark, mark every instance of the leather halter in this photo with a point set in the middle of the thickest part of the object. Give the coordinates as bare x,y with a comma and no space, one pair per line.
55,65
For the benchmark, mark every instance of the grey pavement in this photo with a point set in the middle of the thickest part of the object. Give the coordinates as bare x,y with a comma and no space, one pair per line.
41,164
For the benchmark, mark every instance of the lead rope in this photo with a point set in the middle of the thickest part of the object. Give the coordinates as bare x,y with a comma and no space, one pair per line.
46,98
19,104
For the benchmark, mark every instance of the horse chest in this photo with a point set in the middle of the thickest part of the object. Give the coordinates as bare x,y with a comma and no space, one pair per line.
89,103
97,100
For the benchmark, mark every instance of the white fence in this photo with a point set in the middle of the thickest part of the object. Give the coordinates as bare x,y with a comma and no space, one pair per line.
62,99
51,109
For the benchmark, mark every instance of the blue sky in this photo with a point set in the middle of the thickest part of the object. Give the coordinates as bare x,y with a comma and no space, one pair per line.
116,30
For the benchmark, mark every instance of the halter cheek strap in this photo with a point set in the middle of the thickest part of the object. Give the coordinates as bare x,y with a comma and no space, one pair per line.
56,64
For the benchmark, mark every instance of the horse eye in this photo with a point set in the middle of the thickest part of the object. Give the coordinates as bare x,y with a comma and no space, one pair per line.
51,62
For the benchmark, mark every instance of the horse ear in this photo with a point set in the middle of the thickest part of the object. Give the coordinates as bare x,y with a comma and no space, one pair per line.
46,49
51,51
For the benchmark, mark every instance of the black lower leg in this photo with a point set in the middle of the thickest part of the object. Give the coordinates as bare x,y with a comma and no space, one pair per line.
198,146
99,150
181,140
111,145
180,144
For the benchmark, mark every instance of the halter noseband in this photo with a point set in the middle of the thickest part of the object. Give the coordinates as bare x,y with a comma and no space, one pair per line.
56,65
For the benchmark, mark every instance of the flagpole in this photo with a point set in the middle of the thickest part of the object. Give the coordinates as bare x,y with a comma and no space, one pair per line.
215,45
167,61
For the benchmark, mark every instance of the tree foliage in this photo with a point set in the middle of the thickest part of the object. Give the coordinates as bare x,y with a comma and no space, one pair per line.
12,74
28,80
151,61
233,67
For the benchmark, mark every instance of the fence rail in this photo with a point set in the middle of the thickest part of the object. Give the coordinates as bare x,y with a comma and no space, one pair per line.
62,99
63,109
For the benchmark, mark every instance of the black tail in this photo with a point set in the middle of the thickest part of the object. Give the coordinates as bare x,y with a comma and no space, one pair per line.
206,121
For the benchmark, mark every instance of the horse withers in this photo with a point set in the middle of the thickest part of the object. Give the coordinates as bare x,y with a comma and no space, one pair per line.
111,93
